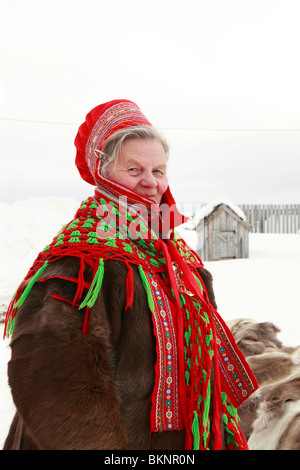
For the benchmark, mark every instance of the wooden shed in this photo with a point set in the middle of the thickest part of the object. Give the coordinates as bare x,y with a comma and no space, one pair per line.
222,231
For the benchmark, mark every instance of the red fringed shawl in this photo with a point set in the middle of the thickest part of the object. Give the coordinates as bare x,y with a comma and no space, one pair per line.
201,376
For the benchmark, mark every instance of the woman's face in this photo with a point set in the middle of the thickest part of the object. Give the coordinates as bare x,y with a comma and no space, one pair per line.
141,167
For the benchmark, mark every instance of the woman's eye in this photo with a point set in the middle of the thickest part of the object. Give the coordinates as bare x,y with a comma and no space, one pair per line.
134,170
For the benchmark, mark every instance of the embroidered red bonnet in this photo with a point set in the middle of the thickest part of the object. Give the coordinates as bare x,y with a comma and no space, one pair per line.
100,123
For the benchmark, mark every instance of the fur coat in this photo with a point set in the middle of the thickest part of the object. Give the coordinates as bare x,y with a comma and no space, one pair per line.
85,392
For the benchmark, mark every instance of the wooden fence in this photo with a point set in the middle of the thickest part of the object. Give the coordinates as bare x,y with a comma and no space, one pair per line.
283,218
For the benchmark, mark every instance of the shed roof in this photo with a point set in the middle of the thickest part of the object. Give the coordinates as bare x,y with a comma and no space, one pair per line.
209,208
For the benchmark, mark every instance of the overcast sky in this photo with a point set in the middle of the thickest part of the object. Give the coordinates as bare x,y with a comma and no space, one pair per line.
220,78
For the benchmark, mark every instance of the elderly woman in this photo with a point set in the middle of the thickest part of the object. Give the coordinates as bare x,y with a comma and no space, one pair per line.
116,343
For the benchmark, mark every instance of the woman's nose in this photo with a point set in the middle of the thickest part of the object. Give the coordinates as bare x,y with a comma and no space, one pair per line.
148,180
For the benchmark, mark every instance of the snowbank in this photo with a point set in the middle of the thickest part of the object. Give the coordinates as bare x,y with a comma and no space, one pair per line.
264,287
26,228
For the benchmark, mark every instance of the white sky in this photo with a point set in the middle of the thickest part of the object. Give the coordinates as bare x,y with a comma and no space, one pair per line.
220,78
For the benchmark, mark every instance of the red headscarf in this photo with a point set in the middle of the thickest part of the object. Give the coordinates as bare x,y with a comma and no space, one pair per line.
100,123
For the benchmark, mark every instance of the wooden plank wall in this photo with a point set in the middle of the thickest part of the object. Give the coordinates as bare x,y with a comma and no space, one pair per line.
284,218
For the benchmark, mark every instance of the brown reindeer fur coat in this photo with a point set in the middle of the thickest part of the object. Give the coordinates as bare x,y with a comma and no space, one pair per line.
85,392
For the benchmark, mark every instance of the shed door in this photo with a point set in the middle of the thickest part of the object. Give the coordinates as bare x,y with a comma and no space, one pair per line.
223,245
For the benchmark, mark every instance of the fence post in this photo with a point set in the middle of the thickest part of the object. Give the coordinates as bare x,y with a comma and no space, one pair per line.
273,218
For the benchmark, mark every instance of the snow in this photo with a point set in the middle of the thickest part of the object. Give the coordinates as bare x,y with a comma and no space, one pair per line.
26,228
264,287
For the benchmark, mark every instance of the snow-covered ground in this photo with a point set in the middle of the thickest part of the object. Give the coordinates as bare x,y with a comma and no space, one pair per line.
264,287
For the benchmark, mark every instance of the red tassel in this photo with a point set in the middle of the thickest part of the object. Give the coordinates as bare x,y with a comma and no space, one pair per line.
80,282
129,286
57,297
85,327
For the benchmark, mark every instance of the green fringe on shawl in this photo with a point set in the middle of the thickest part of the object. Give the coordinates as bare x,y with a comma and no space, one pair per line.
199,283
9,327
11,322
232,418
95,287
147,289
230,408
206,420
196,432
30,285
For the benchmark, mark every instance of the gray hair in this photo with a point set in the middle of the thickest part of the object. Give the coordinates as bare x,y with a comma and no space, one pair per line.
113,145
